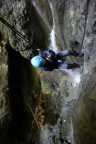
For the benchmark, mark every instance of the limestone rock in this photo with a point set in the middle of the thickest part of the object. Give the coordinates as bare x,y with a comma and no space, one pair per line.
74,26
24,18
5,112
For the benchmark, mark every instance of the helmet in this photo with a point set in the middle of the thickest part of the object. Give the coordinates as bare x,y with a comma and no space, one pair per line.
37,61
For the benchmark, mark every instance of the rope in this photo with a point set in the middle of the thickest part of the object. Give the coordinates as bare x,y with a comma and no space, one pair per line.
12,28
86,17
31,110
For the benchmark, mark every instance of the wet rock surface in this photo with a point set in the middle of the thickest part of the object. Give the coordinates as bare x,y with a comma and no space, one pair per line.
5,114
23,16
64,106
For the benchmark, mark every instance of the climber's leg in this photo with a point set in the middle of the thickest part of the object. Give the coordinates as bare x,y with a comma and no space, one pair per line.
68,53
63,54
75,53
73,65
68,66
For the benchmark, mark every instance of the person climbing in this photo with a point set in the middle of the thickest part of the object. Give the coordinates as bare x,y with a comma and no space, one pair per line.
49,60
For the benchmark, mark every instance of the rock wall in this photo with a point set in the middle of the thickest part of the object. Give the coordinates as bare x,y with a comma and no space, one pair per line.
23,16
5,114
23,92
84,117
64,108
18,93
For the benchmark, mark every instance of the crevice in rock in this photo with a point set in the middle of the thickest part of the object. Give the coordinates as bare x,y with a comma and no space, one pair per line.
20,85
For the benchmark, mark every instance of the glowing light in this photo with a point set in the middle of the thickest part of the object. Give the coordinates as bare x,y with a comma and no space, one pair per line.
64,120
76,80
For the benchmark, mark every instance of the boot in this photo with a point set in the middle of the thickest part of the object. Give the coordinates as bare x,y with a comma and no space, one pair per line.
72,66
75,53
